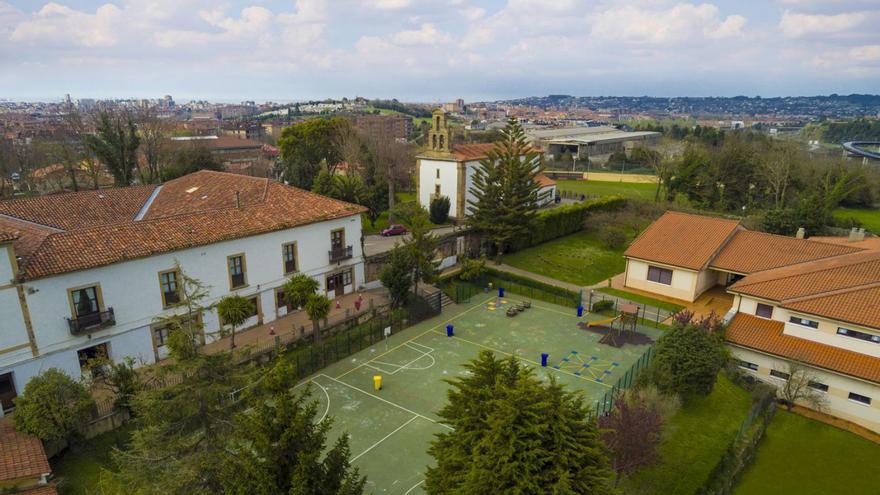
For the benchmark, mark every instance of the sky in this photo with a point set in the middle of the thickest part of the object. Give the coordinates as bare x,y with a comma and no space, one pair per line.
435,50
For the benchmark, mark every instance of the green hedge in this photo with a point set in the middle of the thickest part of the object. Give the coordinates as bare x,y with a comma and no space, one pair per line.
461,291
563,220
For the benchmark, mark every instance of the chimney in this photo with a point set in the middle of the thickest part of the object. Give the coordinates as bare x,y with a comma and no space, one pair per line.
861,234
854,234
238,200
801,233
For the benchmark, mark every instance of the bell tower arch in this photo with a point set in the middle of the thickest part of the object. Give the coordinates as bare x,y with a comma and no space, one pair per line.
438,137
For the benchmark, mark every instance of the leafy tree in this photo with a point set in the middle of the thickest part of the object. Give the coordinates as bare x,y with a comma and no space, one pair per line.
632,432
472,269
396,276
53,406
115,143
188,160
278,442
185,323
348,188
122,380
506,194
375,200
687,359
512,433
299,288
323,183
420,247
304,146
317,307
234,310
439,210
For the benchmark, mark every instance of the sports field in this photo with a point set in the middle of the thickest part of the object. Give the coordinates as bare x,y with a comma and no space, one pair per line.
390,429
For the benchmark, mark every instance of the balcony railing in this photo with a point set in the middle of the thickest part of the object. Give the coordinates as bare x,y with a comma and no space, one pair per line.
91,322
342,253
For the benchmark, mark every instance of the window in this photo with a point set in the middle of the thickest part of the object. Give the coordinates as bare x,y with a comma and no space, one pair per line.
867,337
85,301
346,278
861,399
438,173
748,365
780,374
660,275
281,299
764,310
255,306
7,391
168,282
818,386
161,334
236,271
337,239
804,322
92,359
288,254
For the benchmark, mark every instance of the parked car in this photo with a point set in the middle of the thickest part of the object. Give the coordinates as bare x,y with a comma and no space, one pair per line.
395,229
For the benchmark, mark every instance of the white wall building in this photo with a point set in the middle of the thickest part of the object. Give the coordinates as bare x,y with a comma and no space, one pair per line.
85,274
448,170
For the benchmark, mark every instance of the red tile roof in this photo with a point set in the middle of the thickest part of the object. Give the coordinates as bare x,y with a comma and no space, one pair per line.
82,209
479,151
193,210
8,235
766,336
544,181
749,251
21,455
683,240
29,236
859,306
867,243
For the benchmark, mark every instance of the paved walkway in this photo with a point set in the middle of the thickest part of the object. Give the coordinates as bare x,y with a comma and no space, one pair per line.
534,276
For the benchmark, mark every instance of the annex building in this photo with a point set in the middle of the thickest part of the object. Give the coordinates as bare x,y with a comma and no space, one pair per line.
794,300
444,169
596,143
85,274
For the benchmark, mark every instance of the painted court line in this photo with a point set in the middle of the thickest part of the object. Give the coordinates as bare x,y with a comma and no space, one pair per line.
525,359
413,487
384,438
478,306
326,394
385,401
406,366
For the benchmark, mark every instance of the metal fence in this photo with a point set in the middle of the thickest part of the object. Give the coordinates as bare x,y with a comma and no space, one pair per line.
462,292
647,314
606,403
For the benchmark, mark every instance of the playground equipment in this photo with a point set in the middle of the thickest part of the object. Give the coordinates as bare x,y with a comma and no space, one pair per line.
519,308
617,326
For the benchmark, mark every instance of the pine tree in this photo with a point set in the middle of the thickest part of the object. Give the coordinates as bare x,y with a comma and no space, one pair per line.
421,245
396,276
506,194
278,442
514,434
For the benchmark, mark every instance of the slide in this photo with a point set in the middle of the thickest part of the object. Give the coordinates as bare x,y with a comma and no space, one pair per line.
602,322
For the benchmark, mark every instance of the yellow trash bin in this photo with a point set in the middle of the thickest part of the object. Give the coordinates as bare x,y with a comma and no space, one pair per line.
377,382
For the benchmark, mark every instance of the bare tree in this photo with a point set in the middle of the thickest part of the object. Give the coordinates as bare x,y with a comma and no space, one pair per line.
801,386
394,159
154,134
351,147
777,169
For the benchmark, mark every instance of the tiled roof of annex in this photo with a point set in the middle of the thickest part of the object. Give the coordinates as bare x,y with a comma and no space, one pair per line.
194,210
683,239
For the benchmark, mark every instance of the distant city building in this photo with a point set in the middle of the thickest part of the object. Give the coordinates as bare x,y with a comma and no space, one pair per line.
397,127
240,156
595,143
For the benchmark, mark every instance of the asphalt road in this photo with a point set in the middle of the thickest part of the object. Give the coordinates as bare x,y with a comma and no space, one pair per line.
376,244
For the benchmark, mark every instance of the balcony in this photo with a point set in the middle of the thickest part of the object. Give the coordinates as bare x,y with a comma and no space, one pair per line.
91,322
340,254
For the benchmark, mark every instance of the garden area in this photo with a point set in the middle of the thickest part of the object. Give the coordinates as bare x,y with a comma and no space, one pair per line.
868,217
83,470
804,456
581,259
694,441
594,188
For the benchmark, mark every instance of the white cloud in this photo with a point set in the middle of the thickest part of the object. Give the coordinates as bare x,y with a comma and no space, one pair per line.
471,14
427,34
388,4
59,24
795,25
680,23
867,53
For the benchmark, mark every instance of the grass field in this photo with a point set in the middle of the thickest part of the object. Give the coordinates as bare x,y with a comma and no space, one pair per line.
578,259
806,457
598,188
83,471
390,429
695,439
650,301
870,218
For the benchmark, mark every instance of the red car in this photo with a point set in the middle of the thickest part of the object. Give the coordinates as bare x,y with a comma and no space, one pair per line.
395,229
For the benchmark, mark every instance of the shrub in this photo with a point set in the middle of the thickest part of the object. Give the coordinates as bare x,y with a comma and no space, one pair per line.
472,269
53,406
439,210
603,305
564,220
613,237
687,360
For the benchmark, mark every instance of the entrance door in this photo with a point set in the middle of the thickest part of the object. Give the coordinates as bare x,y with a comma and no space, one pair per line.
335,285
91,359
7,391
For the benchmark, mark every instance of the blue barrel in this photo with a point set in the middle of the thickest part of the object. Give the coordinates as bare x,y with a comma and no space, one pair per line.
449,330
544,357
580,310
501,292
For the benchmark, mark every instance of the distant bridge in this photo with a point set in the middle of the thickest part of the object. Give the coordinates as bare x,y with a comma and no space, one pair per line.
855,148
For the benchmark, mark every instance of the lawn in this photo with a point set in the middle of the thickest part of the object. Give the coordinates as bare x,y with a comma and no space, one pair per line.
82,471
869,217
695,439
638,298
580,259
803,456
599,188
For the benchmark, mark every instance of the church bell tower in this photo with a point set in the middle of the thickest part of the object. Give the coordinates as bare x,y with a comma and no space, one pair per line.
438,138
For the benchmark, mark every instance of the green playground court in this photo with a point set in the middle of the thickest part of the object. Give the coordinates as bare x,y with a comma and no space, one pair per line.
390,429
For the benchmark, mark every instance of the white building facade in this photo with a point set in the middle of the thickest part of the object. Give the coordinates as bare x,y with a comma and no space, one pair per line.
109,310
